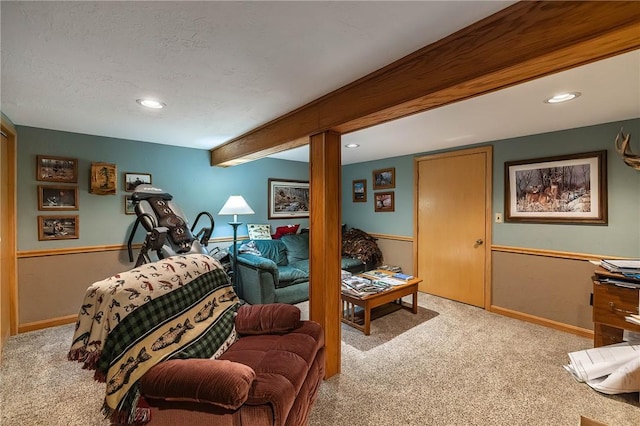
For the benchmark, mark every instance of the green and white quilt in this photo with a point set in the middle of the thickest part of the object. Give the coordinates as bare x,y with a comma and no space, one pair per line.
179,307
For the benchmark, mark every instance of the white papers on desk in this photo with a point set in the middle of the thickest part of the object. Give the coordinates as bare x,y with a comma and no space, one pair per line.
608,369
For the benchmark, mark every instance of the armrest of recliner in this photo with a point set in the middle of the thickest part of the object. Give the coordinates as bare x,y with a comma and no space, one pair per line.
212,381
272,318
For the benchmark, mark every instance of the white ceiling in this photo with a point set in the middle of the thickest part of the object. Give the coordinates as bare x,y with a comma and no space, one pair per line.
224,68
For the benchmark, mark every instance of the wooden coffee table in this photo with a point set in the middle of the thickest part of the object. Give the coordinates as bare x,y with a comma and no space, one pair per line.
378,304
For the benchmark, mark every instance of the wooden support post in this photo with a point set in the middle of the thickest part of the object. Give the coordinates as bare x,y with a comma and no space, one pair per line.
325,246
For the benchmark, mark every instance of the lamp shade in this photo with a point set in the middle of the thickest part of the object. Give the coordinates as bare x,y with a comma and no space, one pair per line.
236,205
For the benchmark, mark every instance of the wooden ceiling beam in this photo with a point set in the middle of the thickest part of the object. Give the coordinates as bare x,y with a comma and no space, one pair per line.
525,41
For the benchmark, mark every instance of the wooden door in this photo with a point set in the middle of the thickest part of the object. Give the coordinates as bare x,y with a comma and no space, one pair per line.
453,225
8,299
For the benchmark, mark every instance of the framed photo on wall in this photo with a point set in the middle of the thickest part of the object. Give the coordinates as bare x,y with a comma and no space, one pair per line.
103,179
56,169
384,201
288,198
58,227
384,178
129,207
57,197
132,180
359,190
562,189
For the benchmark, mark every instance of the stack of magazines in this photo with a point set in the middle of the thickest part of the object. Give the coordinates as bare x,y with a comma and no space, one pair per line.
360,287
630,267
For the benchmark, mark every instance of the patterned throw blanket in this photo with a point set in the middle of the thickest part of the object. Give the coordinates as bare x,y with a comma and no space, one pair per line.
179,307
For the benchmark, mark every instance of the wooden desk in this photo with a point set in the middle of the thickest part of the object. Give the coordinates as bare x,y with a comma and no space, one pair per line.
611,303
378,304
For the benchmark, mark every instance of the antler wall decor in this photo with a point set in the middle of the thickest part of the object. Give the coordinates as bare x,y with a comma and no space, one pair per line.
624,148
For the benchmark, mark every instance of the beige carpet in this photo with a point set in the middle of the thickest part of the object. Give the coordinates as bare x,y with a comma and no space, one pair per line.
451,364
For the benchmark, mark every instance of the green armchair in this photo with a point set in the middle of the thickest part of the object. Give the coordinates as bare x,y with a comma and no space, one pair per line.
280,273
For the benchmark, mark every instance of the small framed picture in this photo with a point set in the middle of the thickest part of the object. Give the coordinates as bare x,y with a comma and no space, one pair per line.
56,169
58,227
129,207
384,202
131,180
103,179
57,197
359,191
384,178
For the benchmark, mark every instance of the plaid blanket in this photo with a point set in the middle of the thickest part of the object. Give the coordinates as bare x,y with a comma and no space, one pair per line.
179,307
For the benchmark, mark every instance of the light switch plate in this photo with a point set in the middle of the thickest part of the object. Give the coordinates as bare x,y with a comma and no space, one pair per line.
498,217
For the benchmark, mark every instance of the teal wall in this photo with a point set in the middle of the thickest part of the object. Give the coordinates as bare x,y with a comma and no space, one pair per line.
197,186
620,237
184,172
362,215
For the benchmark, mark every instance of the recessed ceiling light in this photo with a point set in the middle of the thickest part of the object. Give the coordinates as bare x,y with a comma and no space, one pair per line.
562,97
351,145
150,103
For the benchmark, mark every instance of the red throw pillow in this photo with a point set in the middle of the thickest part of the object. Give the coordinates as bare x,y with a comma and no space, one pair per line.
284,230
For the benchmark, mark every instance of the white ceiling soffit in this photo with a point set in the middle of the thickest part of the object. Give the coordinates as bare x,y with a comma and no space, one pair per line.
610,92
222,68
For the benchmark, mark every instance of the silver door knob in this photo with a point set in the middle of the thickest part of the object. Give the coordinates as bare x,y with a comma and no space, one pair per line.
479,242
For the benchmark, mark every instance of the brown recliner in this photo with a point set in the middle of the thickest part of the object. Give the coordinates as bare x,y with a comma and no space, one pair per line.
269,376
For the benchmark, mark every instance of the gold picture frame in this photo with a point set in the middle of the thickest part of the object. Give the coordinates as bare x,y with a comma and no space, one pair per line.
103,179
384,201
359,191
562,189
58,227
56,169
384,178
54,197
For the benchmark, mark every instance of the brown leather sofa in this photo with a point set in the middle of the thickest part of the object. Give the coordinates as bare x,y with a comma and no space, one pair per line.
269,376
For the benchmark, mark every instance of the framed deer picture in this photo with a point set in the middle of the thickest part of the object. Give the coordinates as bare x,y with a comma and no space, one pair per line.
563,189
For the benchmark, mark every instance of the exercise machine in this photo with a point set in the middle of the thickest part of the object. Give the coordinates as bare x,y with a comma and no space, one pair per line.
168,232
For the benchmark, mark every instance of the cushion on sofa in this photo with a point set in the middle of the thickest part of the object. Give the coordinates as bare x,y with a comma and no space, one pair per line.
281,364
274,250
285,230
297,246
259,231
288,275
303,265
218,382
270,318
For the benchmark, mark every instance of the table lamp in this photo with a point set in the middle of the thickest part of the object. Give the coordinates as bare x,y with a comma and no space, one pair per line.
235,205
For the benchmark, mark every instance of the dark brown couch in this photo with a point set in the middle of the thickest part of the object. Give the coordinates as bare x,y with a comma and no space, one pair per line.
269,376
